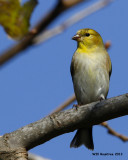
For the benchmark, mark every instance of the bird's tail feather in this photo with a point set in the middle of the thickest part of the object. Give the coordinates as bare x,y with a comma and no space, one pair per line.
83,136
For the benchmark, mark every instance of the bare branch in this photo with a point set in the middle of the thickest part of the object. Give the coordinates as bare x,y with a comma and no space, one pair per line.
70,3
13,154
71,21
44,22
104,124
114,133
63,122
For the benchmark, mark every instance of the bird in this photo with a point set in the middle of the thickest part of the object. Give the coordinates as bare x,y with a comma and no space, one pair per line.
90,70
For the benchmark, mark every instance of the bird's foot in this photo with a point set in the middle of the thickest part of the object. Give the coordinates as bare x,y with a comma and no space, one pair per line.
102,97
75,106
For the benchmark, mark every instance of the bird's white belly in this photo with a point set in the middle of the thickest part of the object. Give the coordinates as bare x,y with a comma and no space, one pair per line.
91,81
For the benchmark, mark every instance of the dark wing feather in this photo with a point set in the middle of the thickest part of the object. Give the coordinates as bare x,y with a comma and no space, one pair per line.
110,72
72,69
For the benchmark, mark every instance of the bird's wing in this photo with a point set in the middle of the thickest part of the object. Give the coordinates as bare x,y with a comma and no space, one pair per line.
110,71
72,69
109,65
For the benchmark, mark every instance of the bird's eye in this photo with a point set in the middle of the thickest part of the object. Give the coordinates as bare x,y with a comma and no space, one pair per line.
87,34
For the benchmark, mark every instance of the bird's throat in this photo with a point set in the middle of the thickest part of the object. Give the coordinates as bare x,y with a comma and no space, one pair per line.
83,48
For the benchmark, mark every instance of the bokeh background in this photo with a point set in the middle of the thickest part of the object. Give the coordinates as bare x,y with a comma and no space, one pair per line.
35,82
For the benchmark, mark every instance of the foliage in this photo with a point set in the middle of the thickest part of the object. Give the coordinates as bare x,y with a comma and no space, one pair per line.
15,17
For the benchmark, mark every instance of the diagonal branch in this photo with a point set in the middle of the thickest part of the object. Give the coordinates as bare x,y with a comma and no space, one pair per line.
61,6
70,100
63,122
65,104
71,21
114,133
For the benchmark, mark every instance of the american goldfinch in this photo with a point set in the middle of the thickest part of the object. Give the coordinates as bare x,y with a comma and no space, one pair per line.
90,71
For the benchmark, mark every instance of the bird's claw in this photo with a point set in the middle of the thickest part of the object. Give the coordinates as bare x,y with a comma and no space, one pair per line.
102,98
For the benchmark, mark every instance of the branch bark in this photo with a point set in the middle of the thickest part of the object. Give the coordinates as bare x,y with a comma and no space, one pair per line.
63,122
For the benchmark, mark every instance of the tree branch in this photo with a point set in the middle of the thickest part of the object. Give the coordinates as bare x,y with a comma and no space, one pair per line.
104,124
65,104
63,122
61,6
44,36
114,133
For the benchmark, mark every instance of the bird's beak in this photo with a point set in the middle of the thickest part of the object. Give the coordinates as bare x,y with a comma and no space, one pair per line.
76,37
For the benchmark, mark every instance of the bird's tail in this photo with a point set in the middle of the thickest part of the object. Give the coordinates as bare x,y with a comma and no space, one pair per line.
83,136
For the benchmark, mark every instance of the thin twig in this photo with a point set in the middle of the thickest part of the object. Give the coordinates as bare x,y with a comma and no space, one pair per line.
44,22
114,133
65,104
71,21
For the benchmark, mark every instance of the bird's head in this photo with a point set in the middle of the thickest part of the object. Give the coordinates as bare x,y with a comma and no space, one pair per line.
88,38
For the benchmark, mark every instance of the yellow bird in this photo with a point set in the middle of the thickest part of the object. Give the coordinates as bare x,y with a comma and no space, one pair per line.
90,70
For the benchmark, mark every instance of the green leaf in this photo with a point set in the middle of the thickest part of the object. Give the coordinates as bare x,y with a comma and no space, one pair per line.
15,18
